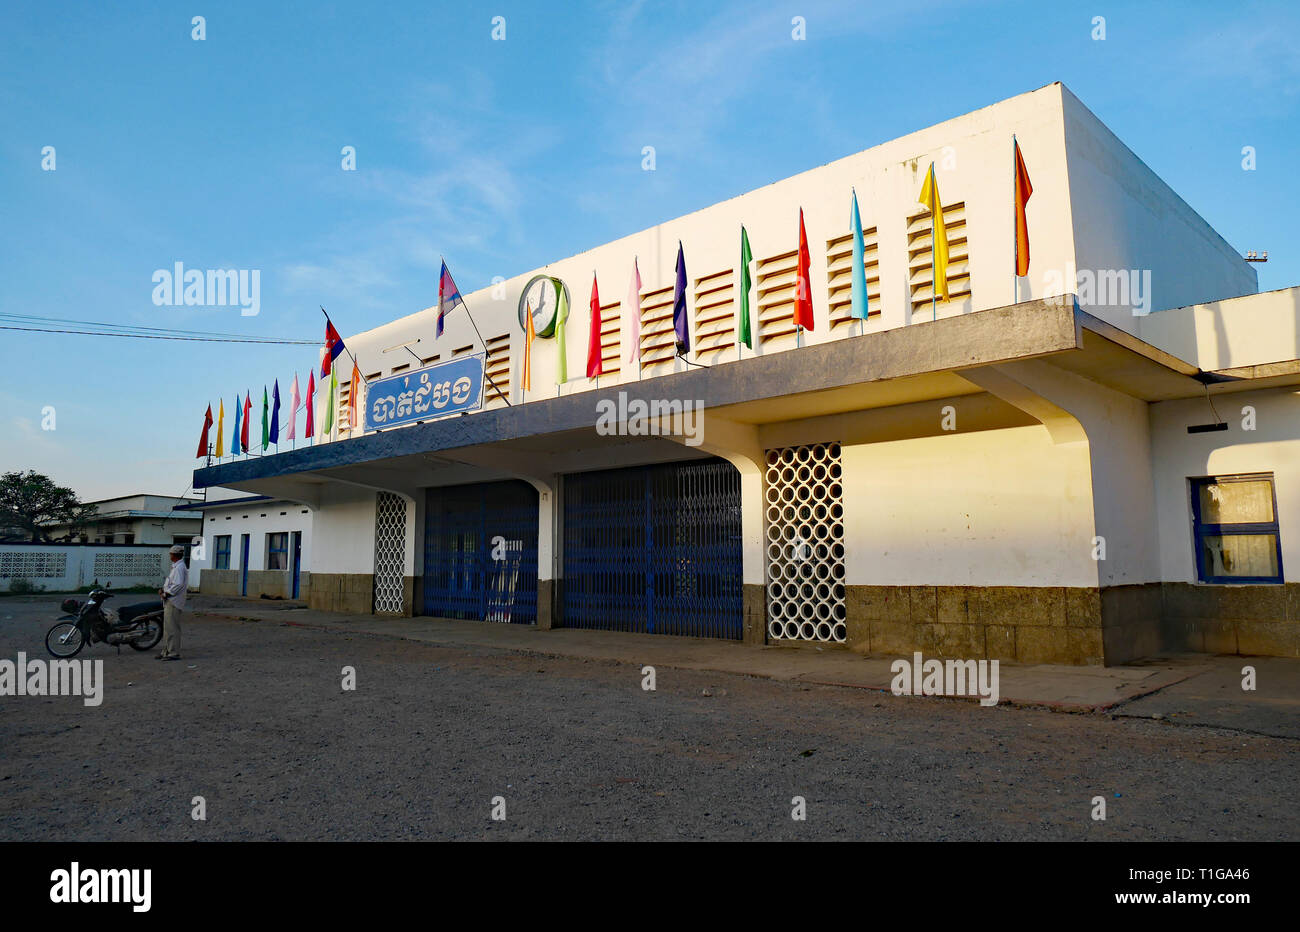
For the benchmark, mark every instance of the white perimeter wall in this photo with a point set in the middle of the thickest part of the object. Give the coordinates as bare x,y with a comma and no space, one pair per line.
994,508
1272,447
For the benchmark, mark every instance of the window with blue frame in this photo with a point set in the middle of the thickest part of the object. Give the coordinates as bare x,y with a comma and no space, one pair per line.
222,548
277,551
1234,521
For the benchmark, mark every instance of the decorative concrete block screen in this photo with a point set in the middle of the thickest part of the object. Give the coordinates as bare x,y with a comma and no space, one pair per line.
114,565
805,543
33,564
390,553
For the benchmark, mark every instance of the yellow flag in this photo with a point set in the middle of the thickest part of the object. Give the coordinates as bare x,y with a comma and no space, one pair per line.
221,428
930,199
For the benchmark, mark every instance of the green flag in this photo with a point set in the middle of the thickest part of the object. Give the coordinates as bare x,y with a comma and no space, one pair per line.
330,403
266,430
746,257
561,318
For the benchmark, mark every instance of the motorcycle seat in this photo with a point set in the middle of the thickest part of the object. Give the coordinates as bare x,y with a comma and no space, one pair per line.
131,612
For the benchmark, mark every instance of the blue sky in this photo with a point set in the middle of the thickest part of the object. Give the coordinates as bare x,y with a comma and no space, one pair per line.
225,153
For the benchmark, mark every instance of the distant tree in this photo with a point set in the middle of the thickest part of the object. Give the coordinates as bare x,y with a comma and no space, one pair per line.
30,501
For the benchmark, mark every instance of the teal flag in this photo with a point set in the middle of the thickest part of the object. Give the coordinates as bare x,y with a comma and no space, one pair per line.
266,431
858,275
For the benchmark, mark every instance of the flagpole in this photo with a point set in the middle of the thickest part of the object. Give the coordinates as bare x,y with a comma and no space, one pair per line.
934,270
346,350
488,375
1015,241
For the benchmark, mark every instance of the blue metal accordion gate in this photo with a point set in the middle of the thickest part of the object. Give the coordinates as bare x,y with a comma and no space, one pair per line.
654,549
480,552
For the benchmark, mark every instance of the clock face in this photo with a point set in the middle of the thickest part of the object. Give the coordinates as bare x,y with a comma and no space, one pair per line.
541,296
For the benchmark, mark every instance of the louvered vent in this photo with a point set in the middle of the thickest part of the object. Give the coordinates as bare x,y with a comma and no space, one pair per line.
775,288
658,342
610,319
839,281
496,387
920,268
715,312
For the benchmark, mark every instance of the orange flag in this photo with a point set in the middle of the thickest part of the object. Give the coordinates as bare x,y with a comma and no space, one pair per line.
595,364
353,390
529,335
1023,190
803,309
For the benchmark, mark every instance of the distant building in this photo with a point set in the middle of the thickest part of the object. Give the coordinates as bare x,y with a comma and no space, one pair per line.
132,519
252,545
1092,463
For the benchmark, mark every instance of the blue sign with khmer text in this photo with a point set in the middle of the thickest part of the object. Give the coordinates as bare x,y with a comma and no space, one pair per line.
424,394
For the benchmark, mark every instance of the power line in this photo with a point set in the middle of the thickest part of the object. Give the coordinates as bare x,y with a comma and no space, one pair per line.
227,338
27,318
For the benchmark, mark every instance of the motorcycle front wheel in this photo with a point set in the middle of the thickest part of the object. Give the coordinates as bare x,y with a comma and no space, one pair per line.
64,639
152,635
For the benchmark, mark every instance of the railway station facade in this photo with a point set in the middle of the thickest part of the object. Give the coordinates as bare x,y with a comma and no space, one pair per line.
1006,474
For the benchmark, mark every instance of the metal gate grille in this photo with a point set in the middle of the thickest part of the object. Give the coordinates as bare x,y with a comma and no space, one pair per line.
654,549
480,552
390,553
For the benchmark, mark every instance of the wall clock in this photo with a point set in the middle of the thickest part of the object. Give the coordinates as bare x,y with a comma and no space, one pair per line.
542,294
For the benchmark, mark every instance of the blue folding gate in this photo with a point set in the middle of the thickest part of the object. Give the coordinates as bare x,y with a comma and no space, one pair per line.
480,552
654,549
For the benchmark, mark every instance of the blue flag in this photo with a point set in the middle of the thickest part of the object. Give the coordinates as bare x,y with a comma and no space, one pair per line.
679,305
275,414
234,440
858,275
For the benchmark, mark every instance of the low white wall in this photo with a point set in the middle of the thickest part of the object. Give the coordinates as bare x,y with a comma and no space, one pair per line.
993,508
1272,447
67,567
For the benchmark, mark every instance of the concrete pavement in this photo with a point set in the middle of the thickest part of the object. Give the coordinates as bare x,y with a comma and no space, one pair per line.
1187,689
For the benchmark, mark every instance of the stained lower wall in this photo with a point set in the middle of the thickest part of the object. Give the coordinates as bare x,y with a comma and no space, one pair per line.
271,583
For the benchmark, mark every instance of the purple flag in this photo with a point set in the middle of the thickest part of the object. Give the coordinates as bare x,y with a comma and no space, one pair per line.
679,305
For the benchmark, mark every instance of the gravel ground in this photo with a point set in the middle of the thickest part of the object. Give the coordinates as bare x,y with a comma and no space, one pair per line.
254,720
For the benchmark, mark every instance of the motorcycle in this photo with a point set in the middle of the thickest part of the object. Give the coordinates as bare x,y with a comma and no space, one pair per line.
139,626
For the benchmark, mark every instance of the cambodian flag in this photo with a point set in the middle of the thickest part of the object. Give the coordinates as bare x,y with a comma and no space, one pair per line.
333,347
448,297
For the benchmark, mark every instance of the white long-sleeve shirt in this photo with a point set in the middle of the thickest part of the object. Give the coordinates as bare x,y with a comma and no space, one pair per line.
178,581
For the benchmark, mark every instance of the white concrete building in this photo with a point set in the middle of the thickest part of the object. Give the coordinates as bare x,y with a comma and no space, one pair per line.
1005,474
252,545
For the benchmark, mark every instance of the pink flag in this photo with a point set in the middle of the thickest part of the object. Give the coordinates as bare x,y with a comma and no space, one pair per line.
293,407
633,305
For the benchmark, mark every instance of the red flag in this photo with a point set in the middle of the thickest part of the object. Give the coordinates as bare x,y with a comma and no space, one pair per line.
311,404
595,365
203,441
248,416
803,309
1023,190
333,347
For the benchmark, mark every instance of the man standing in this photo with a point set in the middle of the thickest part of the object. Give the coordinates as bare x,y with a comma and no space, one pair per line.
173,596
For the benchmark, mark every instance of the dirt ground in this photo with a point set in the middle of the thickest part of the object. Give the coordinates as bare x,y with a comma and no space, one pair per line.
255,721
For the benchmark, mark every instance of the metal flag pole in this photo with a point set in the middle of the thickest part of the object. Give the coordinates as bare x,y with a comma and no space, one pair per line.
482,343
934,271
1015,240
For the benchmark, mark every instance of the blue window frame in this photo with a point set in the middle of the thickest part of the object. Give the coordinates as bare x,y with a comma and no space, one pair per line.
1234,525
222,548
277,551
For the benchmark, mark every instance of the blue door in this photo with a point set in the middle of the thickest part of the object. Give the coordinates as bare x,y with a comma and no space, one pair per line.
297,561
243,564
480,552
654,549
